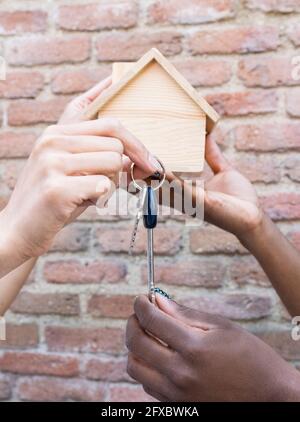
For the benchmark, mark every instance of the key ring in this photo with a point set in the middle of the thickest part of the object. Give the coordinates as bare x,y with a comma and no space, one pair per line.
137,186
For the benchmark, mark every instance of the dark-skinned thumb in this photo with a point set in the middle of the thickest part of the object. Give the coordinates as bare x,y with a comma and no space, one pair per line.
188,316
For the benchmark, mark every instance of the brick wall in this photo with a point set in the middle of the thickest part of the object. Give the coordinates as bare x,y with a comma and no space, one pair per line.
65,333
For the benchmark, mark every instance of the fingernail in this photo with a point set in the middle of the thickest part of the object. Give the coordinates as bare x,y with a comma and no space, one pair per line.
155,163
162,293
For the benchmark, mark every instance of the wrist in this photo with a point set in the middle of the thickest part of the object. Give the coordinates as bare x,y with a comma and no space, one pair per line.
10,253
252,238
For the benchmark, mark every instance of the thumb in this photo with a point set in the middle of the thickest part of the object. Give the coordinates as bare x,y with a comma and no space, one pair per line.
75,110
188,316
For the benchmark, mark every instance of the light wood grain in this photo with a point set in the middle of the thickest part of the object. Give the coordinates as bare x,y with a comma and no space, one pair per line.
156,103
160,113
153,55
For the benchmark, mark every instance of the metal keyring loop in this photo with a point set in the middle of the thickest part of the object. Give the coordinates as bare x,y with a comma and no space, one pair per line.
137,186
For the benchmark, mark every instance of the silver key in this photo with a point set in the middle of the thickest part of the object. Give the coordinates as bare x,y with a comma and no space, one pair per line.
150,265
150,221
140,207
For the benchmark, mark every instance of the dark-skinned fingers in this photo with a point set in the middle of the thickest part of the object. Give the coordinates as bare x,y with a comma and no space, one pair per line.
149,378
146,347
214,156
169,330
191,317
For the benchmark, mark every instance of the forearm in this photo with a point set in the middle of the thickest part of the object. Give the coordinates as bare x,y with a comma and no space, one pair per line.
11,284
10,256
279,259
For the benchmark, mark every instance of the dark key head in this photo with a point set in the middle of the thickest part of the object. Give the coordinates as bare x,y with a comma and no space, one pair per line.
150,209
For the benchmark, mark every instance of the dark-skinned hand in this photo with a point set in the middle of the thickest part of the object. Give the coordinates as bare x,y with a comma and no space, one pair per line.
179,354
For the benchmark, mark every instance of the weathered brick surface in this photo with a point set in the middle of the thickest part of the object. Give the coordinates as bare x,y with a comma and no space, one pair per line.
65,332
54,390
112,369
111,306
5,389
39,364
92,17
93,340
190,11
46,303
131,46
73,271
18,22
14,145
21,85
236,40
167,241
20,336
30,51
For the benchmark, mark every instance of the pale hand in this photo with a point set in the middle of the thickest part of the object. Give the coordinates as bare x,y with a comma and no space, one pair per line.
72,166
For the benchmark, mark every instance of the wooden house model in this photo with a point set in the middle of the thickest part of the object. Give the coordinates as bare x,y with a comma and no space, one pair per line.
161,108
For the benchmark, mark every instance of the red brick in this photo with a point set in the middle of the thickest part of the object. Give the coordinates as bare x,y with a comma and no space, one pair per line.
29,112
132,45
282,6
78,80
267,137
292,102
5,389
211,240
243,103
128,393
30,51
294,34
205,72
20,21
84,339
20,336
189,272
43,389
292,168
282,342
282,206
253,39
167,240
247,271
73,238
258,169
95,16
107,369
38,363
111,306
236,306
16,144
46,303
191,11
73,271
21,85
266,71
295,239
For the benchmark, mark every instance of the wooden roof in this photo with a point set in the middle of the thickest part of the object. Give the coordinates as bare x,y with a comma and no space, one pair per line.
153,54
